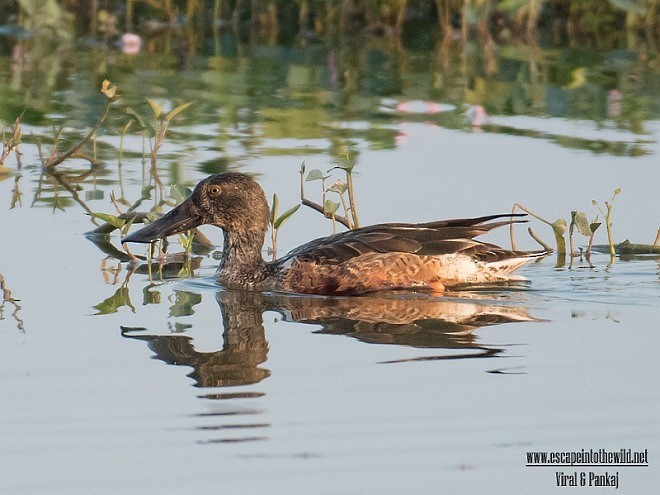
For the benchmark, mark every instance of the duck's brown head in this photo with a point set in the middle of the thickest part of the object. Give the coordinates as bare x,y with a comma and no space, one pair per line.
231,201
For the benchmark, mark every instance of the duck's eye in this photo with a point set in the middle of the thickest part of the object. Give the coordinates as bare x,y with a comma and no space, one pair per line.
214,190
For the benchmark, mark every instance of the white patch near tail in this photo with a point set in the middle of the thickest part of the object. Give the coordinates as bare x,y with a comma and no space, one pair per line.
461,269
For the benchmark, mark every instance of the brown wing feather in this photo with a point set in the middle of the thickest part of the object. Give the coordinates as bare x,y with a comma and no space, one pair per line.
433,238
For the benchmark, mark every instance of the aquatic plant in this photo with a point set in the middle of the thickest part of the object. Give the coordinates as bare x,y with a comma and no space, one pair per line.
120,298
7,298
329,208
49,163
607,215
10,145
47,17
578,223
559,227
162,121
276,221
124,219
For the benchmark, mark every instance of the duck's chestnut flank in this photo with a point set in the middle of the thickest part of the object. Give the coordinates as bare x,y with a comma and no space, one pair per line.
426,256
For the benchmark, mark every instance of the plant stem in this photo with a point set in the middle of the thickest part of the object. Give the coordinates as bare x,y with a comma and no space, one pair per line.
538,239
54,161
351,198
608,226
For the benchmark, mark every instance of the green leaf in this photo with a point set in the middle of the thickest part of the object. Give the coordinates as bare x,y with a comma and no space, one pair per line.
315,174
127,226
339,187
94,194
113,220
285,216
330,207
146,192
152,216
110,305
156,109
177,110
582,223
593,226
137,117
346,167
109,90
186,239
559,226
274,209
150,296
180,192
184,303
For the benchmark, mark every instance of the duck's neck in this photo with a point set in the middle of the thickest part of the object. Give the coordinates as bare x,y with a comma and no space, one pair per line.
242,264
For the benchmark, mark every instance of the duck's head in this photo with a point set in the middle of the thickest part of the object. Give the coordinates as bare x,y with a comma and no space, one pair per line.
231,201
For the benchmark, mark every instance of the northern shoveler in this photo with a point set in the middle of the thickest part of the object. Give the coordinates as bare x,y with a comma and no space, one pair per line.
426,256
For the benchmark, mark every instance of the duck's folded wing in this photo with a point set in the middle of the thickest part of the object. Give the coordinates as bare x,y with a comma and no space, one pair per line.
433,238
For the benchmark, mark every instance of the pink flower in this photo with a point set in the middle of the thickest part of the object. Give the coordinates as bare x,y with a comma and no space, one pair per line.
477,115
131,44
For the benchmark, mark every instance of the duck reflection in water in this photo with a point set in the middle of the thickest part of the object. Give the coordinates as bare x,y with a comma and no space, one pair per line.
411,320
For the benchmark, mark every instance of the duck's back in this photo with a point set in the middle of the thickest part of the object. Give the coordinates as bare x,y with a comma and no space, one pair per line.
428,256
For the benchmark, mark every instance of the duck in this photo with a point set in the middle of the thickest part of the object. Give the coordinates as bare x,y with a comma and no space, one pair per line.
434,256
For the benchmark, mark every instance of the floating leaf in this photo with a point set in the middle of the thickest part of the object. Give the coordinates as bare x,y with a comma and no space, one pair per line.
113,220
285,216
315,174
156,109
177,110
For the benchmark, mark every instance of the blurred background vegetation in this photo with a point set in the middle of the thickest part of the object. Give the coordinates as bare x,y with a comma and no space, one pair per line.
602,22
294,66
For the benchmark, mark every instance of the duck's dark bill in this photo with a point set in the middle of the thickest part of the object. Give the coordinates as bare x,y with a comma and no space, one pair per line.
178,220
